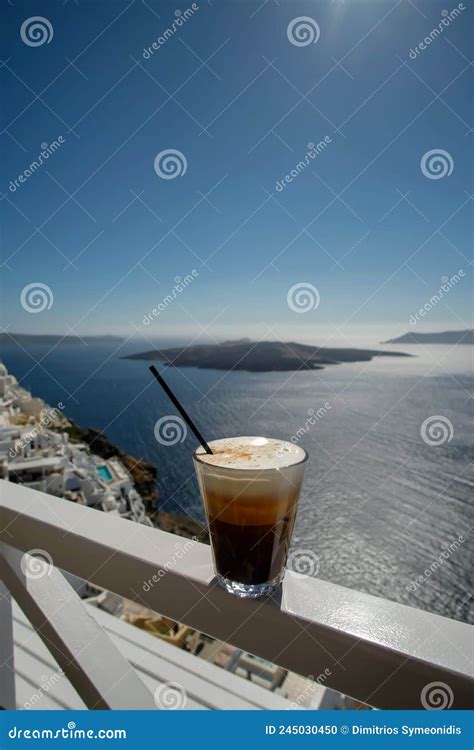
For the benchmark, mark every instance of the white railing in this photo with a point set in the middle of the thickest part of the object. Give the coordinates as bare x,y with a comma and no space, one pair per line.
376,651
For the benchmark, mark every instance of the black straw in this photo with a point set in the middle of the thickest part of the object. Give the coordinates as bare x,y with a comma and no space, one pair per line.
184,414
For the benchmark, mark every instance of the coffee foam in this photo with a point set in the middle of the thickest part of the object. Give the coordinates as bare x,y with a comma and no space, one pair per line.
255,453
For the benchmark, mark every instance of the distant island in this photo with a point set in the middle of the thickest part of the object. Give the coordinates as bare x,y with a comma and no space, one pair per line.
53,338
262,356
444,337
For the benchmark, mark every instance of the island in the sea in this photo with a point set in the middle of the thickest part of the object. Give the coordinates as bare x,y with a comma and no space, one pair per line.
259,356
442,337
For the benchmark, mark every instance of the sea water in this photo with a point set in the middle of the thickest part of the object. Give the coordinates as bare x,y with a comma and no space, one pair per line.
387,499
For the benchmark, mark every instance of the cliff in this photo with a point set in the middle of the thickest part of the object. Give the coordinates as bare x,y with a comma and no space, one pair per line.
144,476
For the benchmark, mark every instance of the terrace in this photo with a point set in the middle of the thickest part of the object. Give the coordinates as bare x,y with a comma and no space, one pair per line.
378,652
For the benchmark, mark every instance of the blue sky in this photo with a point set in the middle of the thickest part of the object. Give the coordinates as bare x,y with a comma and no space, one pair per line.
240,101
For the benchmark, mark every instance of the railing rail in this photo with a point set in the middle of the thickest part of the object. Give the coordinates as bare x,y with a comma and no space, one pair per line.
95,667
376,651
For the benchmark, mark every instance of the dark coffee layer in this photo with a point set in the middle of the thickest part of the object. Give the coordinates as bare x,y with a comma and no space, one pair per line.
251,554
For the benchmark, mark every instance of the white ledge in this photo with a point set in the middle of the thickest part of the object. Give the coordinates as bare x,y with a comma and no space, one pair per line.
374,650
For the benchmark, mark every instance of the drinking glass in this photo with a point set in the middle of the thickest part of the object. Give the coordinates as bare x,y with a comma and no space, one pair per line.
251,514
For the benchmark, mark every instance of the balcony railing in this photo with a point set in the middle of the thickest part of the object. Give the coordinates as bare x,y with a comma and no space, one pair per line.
376,651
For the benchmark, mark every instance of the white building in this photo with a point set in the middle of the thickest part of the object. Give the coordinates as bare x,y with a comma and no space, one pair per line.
35,452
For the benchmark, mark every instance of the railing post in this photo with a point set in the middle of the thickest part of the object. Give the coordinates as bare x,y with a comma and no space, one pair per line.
7,671
86,655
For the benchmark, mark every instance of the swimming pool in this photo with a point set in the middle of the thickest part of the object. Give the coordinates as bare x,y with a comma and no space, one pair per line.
105,473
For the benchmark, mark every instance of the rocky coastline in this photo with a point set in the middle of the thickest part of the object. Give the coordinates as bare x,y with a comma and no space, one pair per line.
144,476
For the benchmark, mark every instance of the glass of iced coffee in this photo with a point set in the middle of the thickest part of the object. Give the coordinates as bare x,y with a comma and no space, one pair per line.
250,487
